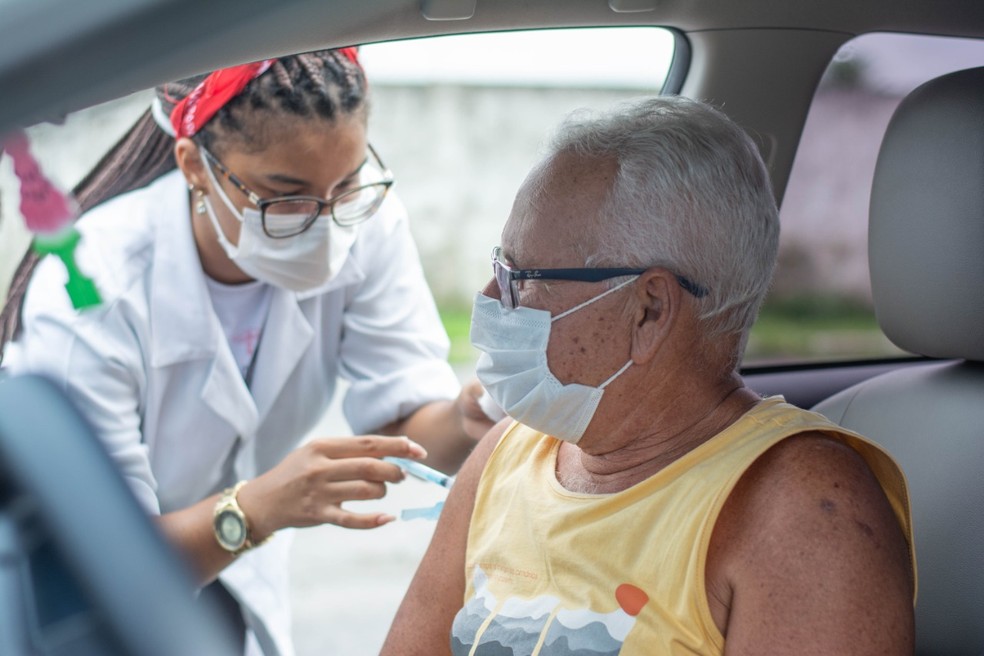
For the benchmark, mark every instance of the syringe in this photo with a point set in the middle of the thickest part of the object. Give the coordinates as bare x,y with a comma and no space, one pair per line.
422,472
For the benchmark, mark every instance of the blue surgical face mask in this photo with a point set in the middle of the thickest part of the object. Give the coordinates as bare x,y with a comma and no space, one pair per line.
513,368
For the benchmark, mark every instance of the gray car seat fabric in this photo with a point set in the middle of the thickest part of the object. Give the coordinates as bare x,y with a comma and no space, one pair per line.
926,224
926,252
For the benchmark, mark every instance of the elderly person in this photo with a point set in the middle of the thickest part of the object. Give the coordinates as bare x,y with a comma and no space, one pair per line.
643,500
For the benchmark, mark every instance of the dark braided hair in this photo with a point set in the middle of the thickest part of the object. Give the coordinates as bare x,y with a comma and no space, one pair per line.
323,84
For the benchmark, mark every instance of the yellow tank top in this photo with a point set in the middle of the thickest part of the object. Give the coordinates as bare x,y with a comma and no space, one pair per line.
553,572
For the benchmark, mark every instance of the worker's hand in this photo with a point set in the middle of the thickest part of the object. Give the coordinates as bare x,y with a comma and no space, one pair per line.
309,486
474,420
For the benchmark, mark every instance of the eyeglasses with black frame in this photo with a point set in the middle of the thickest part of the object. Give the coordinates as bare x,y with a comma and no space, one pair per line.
506,278
289,216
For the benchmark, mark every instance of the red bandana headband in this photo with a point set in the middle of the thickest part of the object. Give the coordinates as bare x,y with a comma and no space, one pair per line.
352,53
221,86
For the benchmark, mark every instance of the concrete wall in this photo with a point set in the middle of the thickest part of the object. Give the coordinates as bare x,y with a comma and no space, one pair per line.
459,155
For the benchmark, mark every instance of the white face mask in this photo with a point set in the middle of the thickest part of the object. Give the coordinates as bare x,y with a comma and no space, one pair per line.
300,263
513,368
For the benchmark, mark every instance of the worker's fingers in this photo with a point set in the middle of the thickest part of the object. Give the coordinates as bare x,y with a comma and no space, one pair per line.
375,446
347,519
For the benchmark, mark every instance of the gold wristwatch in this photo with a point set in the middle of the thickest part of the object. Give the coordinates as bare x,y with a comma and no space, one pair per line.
229,523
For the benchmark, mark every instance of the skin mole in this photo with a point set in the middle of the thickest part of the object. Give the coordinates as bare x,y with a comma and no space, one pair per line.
827,505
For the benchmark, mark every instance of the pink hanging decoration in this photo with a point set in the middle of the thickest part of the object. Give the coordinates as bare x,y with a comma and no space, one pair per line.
50,215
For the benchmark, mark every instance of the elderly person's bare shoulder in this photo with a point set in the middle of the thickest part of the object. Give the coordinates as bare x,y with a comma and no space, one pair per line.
808,533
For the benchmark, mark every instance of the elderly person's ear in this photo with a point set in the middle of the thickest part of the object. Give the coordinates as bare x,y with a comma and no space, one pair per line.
658,296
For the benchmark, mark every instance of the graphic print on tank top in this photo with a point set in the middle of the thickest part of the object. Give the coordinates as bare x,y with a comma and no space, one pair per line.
542,626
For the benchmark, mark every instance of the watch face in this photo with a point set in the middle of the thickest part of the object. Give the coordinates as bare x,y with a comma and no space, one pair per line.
230,530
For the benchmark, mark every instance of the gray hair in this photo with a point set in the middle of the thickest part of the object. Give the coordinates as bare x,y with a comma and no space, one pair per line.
691,194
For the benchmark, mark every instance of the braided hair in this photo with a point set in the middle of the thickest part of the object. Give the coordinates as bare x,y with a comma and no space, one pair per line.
323,84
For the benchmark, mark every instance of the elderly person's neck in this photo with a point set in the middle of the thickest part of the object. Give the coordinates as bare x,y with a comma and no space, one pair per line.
665,409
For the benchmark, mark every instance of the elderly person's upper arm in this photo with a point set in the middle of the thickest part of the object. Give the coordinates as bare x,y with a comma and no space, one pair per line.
423,621
807,557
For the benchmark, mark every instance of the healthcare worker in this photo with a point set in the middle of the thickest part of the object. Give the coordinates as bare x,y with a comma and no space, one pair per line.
249,251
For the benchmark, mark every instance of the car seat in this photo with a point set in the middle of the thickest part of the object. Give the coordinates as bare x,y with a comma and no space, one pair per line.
926,257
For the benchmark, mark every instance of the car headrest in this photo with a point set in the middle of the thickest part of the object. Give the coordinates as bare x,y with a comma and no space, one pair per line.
926,224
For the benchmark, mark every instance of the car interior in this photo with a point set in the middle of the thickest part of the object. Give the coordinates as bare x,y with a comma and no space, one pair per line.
760,61
83,570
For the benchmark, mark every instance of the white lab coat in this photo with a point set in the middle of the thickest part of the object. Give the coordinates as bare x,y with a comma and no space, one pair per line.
152,370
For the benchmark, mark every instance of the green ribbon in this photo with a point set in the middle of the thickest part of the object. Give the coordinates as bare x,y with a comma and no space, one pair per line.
81,289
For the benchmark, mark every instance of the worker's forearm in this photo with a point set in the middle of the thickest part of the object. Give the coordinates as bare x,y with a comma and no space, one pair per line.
190,531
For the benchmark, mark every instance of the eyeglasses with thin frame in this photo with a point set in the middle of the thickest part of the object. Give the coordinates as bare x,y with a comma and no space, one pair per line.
506,277
288,216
